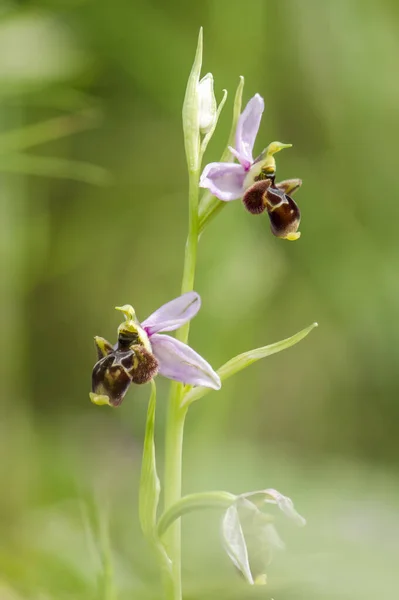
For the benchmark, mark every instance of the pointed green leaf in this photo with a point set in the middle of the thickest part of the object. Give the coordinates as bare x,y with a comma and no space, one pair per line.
46,131
234,542
150,486
190,113
210,205
49,166
240,362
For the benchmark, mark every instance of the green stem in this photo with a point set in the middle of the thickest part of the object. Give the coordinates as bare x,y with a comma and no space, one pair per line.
190,256
177,413
173,471
108,582
193,502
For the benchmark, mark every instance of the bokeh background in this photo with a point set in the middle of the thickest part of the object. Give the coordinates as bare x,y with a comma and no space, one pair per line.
93,198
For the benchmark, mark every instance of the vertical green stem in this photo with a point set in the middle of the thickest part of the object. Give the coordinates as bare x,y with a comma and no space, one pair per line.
173,472
177,413
107,576
190,256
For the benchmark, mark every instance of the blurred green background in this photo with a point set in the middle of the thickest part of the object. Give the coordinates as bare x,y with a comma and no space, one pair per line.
93,206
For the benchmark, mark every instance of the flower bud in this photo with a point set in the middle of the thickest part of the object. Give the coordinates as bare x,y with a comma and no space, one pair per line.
207,103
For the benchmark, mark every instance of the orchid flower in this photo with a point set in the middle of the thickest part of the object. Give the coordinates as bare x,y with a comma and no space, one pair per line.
141,353
230,181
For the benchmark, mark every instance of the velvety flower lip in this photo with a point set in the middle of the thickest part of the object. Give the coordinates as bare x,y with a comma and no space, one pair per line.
141,352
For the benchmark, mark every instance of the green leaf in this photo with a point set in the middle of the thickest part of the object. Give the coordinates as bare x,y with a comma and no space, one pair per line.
210,206
46,131
150,486
234,542
107,579
48,166
190,113
240,362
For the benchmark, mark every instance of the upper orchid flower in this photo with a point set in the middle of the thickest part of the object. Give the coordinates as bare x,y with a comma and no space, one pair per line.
141,353
229,181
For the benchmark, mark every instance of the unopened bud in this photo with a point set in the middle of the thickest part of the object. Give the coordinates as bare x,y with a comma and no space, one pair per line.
207,103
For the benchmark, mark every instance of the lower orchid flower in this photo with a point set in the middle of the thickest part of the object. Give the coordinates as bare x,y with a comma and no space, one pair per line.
141,353
230,181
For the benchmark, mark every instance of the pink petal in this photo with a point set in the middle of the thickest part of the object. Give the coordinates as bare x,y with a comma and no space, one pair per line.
246,164
173,314
224,180
247,130
181,363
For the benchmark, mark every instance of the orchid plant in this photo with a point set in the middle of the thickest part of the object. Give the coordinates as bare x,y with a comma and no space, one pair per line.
143,352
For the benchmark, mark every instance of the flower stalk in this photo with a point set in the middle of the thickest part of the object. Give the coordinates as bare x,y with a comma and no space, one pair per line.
217,499
176,413
172,486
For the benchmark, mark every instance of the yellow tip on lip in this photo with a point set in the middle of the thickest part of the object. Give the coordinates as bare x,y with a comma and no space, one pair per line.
291,237
99,400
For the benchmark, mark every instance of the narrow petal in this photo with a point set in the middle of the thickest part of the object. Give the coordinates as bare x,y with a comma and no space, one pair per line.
224,180
181,363
245,163
173,314
289,186
247,129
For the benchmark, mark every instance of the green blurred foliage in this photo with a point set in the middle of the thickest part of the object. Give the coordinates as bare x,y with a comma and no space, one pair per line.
93,215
